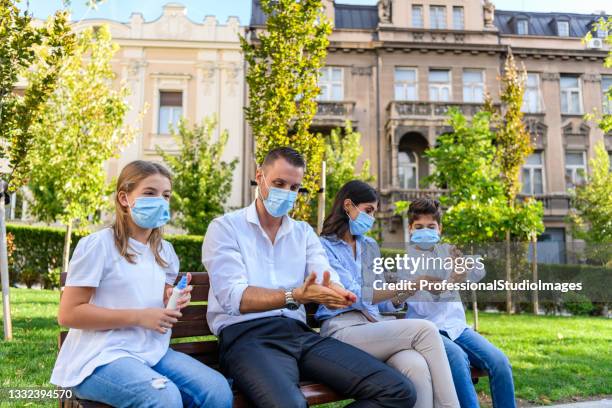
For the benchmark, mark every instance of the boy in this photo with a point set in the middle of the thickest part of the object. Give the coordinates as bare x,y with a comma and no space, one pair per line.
464,346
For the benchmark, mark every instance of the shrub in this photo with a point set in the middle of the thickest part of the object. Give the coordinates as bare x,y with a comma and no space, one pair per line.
577,304
36,255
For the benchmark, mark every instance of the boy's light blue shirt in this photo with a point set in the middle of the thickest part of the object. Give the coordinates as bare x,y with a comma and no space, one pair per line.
349,269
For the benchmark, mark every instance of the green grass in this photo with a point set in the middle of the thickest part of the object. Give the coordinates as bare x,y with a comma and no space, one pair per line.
554,358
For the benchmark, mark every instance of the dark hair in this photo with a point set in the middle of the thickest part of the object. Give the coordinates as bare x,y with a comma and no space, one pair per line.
289,154
424,206
358,192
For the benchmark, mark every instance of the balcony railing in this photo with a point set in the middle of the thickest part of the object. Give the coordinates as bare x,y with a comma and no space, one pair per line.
430,110
339,109
408,194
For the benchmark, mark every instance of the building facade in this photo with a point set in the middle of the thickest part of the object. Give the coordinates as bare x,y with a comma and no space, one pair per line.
395,68
176,67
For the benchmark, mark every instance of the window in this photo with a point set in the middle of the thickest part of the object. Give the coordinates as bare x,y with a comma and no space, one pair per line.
473,85
458,23
406,84
437,16
606,84
331,84
439,85
170,110
575,168
408,169
417,16
531,99
571,99
533,174
522,27
563,28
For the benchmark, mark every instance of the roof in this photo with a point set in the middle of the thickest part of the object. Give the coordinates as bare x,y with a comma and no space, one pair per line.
544,23
356,17
353,16
347,16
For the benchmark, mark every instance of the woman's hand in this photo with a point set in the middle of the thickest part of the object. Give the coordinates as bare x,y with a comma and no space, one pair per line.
158,319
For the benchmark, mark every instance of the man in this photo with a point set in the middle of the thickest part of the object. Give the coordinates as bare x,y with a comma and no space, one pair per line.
263,267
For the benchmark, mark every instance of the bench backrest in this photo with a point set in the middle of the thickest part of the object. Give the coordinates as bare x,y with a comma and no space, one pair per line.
193,325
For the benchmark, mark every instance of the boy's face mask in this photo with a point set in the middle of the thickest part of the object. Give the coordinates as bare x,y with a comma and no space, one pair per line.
150,212
279,201
425,238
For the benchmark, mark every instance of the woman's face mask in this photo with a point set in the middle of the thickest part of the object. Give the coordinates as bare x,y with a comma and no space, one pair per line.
362,223
279,201
425,238
150,212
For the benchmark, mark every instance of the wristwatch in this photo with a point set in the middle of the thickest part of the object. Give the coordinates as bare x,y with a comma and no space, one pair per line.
290,302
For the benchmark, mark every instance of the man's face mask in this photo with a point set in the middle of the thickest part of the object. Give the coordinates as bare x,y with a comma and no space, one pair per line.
150,212
279,201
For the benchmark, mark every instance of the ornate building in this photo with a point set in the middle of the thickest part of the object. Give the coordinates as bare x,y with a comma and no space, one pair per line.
395,68
176,67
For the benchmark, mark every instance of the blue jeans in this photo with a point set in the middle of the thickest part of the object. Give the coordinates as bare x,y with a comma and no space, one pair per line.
177,380
470,348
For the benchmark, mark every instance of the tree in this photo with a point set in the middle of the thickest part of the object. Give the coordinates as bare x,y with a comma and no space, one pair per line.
604,25
20,45
283,68
513,145
202,180
342,150
79,128
591,218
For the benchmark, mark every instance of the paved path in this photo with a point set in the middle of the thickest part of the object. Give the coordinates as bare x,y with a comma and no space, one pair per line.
605,403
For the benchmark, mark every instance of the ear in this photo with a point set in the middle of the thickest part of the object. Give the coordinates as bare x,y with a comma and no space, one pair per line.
347,205
123,199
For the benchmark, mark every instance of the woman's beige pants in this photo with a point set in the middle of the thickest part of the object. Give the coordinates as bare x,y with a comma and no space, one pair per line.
413,347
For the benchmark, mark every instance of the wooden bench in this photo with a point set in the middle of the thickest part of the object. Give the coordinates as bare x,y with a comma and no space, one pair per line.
193,323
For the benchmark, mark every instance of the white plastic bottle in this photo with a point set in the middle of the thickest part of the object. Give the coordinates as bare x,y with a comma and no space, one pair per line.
176,293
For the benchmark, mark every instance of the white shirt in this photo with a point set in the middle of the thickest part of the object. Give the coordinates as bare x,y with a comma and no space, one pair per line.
238,253
444,310
118,285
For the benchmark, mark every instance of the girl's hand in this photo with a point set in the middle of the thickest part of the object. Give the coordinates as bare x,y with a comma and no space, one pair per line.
185,297
158,319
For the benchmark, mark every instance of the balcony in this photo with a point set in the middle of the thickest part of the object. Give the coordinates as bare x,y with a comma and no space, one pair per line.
429,110
334,113
555,204
389,196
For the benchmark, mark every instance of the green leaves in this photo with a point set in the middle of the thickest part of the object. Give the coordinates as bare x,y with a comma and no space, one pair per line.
78,129
202,180
283,67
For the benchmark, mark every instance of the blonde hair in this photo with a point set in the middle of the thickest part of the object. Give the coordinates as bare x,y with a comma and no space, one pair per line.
131,175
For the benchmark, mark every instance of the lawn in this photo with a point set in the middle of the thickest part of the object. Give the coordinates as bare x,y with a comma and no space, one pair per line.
554,358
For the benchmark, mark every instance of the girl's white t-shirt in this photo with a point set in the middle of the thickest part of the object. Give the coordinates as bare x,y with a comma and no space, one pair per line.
118,284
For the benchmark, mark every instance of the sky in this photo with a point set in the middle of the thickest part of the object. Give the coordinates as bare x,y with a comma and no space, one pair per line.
120,10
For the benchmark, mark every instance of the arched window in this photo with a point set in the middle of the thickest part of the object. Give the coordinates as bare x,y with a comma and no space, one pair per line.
408,169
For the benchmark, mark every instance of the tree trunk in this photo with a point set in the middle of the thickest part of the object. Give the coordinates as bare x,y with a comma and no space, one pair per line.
534,273
509,308
4,275
67,241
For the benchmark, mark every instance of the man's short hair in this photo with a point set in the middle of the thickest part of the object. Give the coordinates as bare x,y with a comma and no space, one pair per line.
290,155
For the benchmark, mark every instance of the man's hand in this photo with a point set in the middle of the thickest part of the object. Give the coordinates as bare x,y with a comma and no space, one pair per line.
311,291
346,294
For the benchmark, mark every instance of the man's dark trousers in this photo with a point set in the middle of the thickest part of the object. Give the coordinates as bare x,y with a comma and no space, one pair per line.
267,357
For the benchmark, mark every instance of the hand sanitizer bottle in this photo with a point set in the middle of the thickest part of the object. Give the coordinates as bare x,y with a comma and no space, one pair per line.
176,293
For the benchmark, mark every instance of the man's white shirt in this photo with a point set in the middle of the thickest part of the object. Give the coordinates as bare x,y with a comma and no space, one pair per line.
238,253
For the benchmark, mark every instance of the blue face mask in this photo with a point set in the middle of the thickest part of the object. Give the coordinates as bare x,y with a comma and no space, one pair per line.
425,238
279,201
362,224
150,212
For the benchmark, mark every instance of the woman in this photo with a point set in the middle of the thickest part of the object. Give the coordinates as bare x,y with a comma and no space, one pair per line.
411,346
118,284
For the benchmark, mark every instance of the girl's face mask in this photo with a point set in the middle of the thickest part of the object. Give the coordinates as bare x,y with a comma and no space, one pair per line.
425,238
150,212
